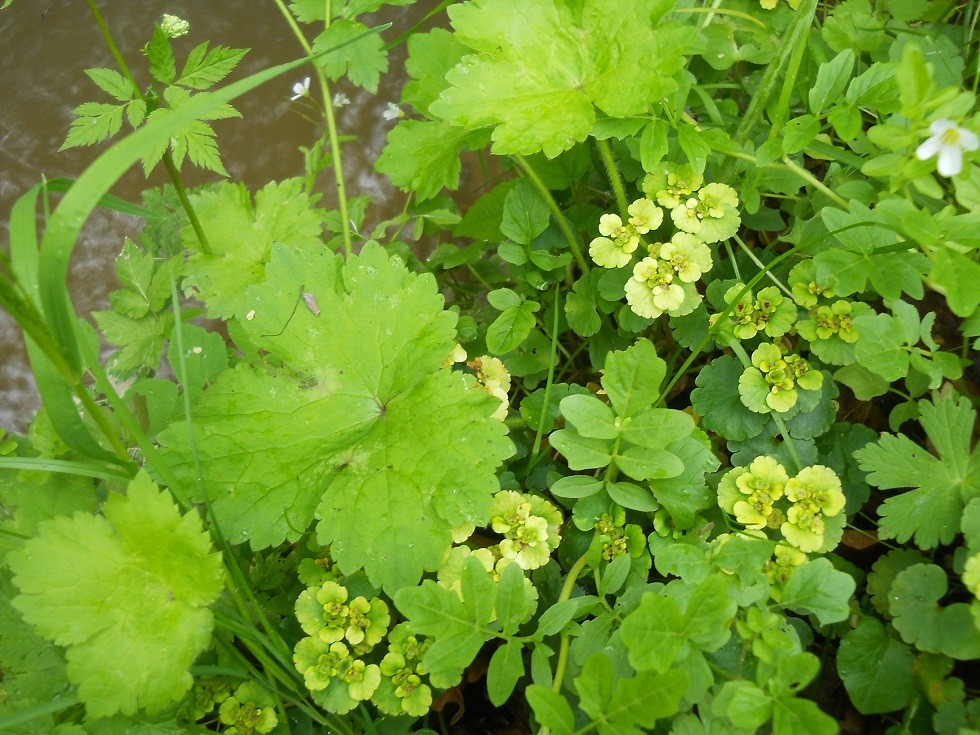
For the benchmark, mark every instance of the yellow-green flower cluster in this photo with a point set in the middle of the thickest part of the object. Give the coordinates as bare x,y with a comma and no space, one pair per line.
402,690
251,709
785,560
771,383
768,312
340,633
208,693
763,496
829,325
530,527
618,537
664,275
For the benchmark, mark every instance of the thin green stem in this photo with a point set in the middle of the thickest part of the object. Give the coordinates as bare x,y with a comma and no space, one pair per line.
539,431
338,166
745,249
781,425
814,181
185,202
555,210
605,152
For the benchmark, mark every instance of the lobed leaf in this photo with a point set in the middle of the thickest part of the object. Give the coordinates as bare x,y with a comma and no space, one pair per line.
132,606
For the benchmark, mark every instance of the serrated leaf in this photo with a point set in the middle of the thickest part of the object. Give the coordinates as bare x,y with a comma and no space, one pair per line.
158,51
205,68
132,605
876,669
430,57
93,123
362,61
423,156
820,590
362,424
140,341
241,236
541,89
113,83
942,485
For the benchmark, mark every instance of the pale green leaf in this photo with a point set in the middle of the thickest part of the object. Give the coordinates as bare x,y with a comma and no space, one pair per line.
526,213
551,709
241,235
362,61
361,424
914,599
113,83
132,606
541,89
423,156
505,668
93,123
632,377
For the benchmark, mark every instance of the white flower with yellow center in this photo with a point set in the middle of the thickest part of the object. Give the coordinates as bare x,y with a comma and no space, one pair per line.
948,140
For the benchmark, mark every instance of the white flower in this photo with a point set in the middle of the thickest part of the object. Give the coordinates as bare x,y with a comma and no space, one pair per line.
949,140
393,112
173,26
340,99
301,89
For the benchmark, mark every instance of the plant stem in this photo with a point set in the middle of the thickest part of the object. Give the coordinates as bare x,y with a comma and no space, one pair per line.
769,275
338,167
614,178
566,594
539,432
553,206
168,160
814,181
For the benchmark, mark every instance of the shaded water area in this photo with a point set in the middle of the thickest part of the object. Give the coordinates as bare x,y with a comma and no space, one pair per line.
45,46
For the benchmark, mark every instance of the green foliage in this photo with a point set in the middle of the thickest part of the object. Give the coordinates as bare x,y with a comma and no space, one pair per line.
493,471
942,485
347,420
562,60
132,606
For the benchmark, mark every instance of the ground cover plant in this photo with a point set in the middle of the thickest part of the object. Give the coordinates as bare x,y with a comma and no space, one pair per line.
670,430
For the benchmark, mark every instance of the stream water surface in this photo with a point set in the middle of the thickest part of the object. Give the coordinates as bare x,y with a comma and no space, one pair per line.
45,46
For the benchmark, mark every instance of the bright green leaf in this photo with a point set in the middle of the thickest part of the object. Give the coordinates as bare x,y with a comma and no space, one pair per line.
876,669
132,605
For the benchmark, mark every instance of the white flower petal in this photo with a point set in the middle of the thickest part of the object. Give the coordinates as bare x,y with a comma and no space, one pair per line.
968,140
928,148
950,161
938,127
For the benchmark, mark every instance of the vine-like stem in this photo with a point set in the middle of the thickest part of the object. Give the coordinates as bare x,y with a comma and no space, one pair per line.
614,178
168,159
338,166
555,210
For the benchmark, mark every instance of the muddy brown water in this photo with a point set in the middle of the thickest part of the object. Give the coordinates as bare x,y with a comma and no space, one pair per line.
45,46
